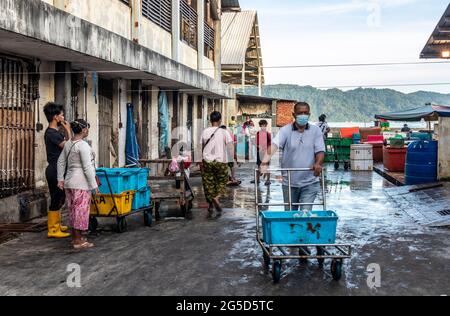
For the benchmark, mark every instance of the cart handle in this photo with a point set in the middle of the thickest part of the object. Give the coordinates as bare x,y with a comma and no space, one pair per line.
289,172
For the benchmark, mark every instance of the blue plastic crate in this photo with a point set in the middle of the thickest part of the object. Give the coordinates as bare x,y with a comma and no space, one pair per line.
284,228
122,179
141,199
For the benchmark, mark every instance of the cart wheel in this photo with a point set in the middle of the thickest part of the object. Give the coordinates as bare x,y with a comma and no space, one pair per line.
346,165
336,269
276,271
157,215
320,252
336,165
121,224
183,210
93,224
266,260
148,218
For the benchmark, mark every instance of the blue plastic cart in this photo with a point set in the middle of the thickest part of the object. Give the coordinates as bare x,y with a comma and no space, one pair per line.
283,234
115,181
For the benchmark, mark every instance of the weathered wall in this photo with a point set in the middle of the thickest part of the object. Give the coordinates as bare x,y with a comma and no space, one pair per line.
444,149
208,67
188,56
112,15
255,108
156,38
39,20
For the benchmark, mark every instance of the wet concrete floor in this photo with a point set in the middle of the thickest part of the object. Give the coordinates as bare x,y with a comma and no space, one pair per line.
222,257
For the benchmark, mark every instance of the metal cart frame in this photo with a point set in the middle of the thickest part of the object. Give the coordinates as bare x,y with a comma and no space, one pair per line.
184,194
276,252
121,225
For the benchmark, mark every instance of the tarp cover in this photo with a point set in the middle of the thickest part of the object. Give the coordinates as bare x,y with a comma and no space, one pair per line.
163,109
131,147
428,113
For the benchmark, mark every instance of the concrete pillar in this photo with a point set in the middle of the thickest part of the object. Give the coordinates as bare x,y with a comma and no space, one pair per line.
195,123
260,81
218,50
205,115
170,99
274,113
201,33
63,88
154,127
176,30
444,149
243,79
91,115
120,100
47,94
136,18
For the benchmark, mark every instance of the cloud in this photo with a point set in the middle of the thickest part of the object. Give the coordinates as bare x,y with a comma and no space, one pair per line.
345,7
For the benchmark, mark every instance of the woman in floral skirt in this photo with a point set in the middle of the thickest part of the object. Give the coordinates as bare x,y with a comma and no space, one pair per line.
76,175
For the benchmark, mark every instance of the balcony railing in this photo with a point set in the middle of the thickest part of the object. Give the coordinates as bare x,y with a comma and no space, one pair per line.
210,40
189,31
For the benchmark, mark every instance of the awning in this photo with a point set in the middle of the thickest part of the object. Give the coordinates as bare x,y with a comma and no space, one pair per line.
428,113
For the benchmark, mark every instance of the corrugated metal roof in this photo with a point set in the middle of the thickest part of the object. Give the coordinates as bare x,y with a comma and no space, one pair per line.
440,39
236,31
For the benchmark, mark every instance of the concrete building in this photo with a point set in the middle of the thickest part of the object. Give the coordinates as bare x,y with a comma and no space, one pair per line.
95,57
242,61
438,46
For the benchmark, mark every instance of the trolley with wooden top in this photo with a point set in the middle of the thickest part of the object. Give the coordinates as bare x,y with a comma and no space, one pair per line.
170,187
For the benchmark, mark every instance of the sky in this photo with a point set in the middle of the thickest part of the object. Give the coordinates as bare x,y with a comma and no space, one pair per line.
300,32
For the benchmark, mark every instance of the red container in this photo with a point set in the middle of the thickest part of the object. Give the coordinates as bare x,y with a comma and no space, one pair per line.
375,138
365,132
394,159
377,151
347,132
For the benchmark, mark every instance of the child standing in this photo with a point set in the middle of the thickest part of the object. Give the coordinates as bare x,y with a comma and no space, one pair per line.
263,142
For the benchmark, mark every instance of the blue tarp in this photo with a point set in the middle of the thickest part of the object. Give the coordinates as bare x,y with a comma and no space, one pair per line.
131,147
428,113
163,109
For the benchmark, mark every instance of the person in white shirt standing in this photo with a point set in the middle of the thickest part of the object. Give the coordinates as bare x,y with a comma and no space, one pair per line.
323,125
218,151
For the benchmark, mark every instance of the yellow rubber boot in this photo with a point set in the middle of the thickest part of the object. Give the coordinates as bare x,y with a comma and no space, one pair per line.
63,228
54,228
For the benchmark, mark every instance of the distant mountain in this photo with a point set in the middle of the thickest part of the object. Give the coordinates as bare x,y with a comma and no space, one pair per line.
359,105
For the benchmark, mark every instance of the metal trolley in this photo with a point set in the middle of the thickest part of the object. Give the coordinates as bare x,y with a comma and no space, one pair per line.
275,253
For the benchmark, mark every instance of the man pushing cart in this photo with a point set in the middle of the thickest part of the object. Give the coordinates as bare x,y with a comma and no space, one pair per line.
303,153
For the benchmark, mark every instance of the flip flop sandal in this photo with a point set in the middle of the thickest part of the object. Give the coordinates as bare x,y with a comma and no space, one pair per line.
84,245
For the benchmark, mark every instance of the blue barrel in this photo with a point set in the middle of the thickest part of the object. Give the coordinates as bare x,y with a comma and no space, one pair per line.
421,162
422,136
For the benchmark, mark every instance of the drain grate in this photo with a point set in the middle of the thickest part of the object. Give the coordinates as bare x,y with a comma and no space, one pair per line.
444,213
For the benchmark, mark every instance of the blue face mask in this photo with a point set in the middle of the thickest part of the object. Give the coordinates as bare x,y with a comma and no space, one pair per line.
302,120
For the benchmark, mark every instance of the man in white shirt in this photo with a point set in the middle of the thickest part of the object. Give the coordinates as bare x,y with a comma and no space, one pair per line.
323,125
218,151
